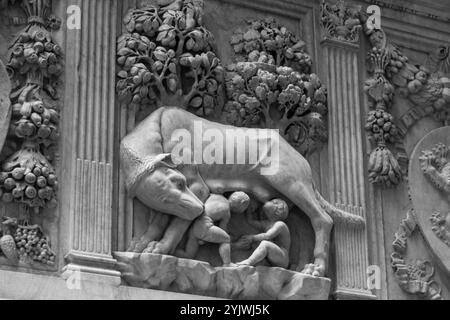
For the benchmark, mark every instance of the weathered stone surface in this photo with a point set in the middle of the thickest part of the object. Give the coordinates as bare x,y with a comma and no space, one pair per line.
152,271
428,190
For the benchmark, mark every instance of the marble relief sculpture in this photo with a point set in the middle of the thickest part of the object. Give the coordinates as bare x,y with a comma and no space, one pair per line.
158,182
170,79
244,150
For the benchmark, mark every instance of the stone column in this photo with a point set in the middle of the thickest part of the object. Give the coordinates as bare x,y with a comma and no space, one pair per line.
347,184
90,104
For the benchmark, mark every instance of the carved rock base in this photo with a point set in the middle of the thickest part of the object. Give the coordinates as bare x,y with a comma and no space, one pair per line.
169,273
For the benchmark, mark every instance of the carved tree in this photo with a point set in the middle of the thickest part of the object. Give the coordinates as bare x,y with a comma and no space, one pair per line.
271,85
167,58
28,176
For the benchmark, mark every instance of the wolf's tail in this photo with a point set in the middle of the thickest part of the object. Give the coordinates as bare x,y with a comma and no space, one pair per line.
338,214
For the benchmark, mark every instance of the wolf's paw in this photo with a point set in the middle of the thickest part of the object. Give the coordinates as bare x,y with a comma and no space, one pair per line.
157,247
315,270
138,245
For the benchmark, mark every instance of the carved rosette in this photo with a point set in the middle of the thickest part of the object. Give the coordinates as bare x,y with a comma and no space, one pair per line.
271,85
413,278
28,177
340,22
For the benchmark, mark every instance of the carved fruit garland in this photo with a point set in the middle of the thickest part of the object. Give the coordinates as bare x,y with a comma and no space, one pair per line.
27,175
384,168
167,58
426,87
271,85
26,244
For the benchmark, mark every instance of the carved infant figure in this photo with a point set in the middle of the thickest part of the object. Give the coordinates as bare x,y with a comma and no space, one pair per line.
217,209
275,239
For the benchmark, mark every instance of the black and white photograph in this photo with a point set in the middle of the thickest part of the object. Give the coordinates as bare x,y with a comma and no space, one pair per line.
225,156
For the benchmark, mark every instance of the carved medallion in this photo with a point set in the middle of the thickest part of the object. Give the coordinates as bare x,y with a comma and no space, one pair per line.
429,181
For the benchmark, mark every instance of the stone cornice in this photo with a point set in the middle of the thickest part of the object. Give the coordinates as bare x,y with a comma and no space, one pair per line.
286,7
427,9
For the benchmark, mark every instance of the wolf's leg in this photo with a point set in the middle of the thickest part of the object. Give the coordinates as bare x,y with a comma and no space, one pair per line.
172,237
294,180
157,225
304,197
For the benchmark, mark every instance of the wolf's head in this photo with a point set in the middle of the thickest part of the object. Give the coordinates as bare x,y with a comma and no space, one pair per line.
162,187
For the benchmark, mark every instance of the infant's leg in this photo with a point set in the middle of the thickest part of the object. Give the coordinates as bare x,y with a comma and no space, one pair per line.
277,256
215,234
225,254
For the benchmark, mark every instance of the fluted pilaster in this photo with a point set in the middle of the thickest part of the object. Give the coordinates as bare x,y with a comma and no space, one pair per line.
346,153
91,86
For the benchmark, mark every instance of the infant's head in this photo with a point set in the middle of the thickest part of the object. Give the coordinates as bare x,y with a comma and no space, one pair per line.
239,202
276,210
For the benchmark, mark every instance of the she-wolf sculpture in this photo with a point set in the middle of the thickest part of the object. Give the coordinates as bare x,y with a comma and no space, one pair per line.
161,183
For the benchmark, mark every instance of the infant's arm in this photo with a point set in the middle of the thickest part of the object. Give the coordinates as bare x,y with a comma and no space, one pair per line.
274,231
259,225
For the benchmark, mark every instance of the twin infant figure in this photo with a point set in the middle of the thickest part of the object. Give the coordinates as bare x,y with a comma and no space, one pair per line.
273,240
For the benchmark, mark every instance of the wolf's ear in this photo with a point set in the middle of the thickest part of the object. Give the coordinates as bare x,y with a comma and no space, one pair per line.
168,160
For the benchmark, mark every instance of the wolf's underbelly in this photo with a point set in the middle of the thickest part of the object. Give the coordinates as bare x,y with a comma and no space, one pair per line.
221,180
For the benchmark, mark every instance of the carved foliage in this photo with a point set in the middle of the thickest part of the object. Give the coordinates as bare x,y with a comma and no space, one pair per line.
266,41
167,58
413,278
340,22
271,85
